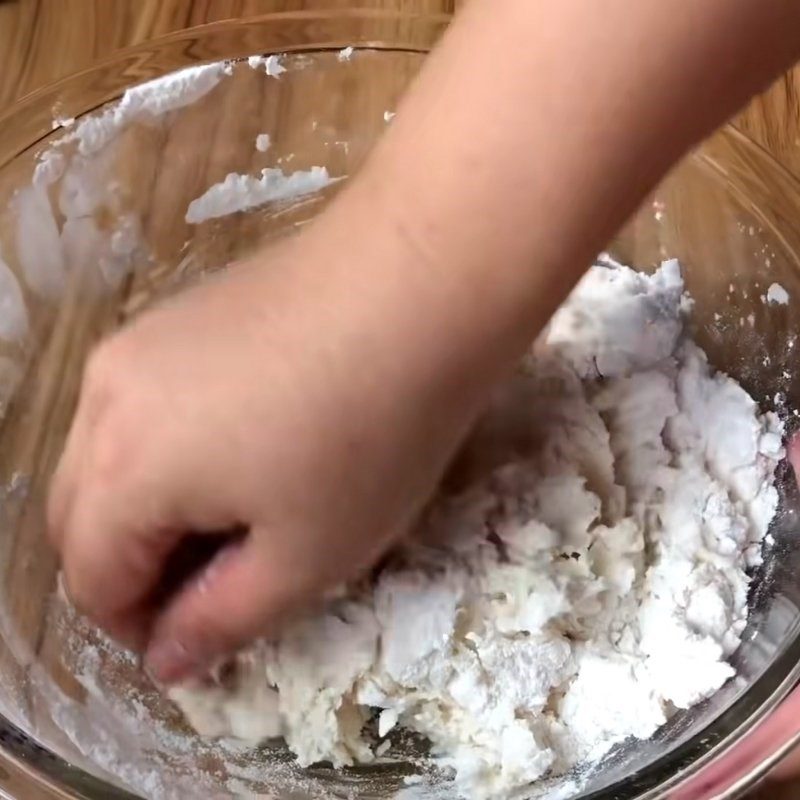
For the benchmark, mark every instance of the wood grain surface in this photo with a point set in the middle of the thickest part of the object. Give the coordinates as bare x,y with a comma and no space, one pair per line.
42,40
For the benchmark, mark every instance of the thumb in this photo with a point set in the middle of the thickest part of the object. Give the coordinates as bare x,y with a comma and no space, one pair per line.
230,603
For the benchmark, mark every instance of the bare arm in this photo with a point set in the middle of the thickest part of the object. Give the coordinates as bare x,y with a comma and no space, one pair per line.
537,128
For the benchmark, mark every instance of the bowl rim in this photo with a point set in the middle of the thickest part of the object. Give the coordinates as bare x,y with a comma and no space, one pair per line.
747,752
370,35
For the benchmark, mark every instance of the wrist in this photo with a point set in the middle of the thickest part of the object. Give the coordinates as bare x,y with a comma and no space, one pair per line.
419,273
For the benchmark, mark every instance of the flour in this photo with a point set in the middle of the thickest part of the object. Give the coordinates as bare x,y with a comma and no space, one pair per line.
76,170
52,246
777,294
169,93
272,65
50,168
62,122
243,192
574,593
14,325
263,142
39,251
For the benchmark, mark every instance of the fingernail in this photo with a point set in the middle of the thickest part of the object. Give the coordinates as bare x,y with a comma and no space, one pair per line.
169,662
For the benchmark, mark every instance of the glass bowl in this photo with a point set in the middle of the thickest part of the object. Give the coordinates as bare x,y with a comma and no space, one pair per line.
96,232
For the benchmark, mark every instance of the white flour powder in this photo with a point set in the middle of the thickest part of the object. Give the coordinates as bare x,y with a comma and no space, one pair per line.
777,294
244,192
77,171
588,579
272,65
157,97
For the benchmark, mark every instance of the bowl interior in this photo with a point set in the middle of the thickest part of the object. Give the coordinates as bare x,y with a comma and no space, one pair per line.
92,233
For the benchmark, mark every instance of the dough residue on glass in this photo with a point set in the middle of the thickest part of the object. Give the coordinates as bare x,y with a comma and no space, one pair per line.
587,579
244,192
272,65
777,294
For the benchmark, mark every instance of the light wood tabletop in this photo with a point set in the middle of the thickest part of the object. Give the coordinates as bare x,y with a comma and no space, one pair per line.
43,40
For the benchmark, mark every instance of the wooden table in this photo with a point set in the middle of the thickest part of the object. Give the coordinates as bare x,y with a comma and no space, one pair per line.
42,40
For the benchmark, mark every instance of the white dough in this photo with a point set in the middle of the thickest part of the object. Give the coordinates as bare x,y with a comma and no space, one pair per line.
244,192
777,294
575,593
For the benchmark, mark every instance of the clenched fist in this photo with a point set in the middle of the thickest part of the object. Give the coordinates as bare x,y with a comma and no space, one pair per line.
306,398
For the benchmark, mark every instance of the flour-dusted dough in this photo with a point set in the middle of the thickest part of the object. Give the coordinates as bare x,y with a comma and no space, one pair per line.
589,579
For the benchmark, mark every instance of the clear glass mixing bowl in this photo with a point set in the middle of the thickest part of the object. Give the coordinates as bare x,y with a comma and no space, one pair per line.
78,718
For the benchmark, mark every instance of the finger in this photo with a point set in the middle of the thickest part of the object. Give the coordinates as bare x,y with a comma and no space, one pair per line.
231,603
114,546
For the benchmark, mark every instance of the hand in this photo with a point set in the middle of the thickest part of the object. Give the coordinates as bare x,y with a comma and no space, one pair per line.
287,397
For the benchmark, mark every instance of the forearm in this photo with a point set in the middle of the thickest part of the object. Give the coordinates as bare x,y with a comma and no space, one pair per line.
535,130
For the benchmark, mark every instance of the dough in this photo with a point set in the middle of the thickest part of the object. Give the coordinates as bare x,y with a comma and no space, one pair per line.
586,579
